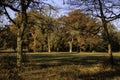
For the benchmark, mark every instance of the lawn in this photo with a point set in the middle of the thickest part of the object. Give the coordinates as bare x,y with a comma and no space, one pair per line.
61,66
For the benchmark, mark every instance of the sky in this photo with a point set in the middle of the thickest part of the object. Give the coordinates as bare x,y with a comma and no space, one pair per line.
58,4
63,10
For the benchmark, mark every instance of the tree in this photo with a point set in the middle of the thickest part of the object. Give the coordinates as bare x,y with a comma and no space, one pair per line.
33,34
20,7
79,26
105,10
113,32
49,11
7,38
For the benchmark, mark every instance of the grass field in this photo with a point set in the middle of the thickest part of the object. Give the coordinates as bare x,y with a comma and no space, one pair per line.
61,66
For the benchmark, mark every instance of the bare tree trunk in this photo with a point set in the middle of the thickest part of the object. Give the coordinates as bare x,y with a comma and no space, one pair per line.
70,45
110,54
19,45
20,33
49,47
19,48
104,23
80,50
109,43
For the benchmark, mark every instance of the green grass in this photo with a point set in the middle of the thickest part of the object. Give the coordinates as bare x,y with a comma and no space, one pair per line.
64,66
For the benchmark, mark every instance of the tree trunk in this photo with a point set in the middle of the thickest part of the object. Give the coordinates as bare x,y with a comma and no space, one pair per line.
70,46
49,47
20,33
19,48
109,43
104,23
80,50
110,54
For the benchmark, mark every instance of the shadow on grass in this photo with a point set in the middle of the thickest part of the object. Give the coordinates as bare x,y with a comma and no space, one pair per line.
8,68
50,60
44,61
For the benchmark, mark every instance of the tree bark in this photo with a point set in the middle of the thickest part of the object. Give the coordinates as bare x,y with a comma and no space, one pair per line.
49,47
19,48
70,45
110,54
21,32
104,23
109,43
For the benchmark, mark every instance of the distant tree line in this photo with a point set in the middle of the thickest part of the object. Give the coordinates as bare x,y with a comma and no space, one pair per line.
76,32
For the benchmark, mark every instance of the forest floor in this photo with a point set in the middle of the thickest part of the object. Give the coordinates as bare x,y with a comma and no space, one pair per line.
60,66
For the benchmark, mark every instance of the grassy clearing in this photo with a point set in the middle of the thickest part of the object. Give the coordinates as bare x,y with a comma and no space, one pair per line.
64,66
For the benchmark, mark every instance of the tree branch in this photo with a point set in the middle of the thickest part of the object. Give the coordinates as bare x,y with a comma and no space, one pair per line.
11,7
113,18
9,16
